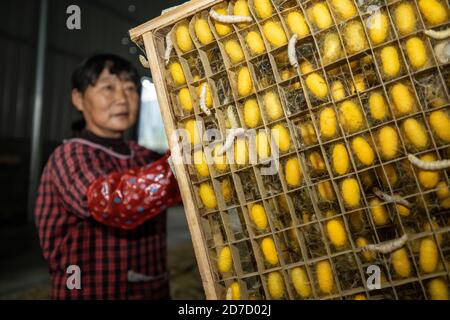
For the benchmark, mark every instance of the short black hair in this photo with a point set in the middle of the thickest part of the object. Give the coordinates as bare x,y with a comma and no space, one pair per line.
88,72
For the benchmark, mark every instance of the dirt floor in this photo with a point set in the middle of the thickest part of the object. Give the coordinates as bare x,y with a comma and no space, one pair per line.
184,279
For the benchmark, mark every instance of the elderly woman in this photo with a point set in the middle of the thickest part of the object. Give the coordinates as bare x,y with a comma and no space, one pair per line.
100,210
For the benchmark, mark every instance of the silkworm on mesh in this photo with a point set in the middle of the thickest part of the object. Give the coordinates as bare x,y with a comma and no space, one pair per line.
169,47
429,165
388,198
236,132
442,51
438,35
203,100
144,62
387,246
227,18
291,51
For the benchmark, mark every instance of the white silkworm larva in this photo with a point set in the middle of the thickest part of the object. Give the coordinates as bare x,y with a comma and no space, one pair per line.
438,35
388,198
442,50
144,62
203,100
232,117
387,246
429,165
169,47
291,51
228,19
230,139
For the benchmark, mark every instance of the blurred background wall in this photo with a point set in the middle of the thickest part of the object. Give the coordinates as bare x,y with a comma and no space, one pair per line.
104,28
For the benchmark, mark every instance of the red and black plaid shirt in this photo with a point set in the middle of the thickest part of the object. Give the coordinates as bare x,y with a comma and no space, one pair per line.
70,236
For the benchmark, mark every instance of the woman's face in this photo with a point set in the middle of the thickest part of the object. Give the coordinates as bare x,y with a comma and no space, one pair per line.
110,106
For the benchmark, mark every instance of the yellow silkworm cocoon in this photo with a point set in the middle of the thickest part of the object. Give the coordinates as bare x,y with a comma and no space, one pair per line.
359,85
263,8
336,232
428,179
402,210
405,18
428,255
234,51
345,9
252,116
402,98
417,52
388,142
360,296
297,24
281,137
185,99
415,133
200,163
377,106
192,130
328,123
208,98
401,263
350,192
438,289
241,9
301,282
255,42
337,90
325,190
240,151
275,285
293,172
378,211
434,11
220,162
354,37
316,161
440,124
259,217
351,116
202,31
269,250
207,195
363,151
320,15
378,26
227,193
331,49
273,105
224,261
274,33
222,29
325,277
183,38
341,161
308,134
391,174
244,82
177,73
390,61
306,67
235,291
317,85
262,145
367,255
442,191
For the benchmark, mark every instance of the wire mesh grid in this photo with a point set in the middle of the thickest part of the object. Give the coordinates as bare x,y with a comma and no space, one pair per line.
298,233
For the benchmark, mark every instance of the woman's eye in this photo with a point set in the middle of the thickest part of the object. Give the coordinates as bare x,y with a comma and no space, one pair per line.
108,88
131,88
